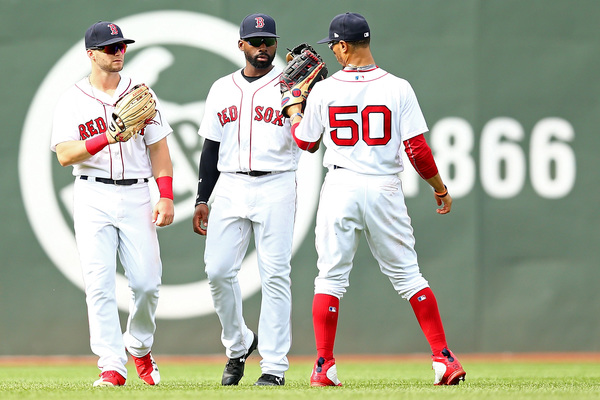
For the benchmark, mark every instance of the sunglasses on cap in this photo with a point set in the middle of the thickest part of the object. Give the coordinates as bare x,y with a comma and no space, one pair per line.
258,41
112,48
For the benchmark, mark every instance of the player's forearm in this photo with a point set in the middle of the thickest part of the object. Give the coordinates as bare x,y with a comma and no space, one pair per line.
311,147
160,159
162,168
420,156
208,173
436,183
76,151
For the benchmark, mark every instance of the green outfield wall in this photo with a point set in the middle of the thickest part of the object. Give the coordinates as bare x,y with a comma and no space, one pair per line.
511,94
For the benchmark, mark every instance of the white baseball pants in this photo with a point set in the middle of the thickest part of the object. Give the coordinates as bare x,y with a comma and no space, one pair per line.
111,220
353,203
265,206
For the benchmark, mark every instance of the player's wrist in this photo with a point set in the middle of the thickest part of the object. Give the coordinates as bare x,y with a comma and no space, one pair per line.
294,117
443,193
165,186
96,143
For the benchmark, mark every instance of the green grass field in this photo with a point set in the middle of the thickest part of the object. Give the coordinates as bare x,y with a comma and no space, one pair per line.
373,379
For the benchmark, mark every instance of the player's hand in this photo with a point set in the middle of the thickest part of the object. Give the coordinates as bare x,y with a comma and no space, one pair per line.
200,219
163,212
445,202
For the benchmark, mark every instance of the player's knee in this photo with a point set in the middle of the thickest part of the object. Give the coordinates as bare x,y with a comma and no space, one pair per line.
218,274
148,288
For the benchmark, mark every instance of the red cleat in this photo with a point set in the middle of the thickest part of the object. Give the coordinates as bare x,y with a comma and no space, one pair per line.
110,378
447,368
324,373
147,369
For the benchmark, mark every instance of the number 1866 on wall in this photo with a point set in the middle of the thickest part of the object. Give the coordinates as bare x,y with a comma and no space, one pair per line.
504,164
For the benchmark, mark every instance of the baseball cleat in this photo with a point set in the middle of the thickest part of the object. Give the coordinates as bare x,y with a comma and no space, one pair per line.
109,379
147,369
324,373
270,380
447,368
234,369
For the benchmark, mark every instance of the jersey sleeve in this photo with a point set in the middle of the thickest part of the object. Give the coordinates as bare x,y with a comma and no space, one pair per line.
311,128
64,123
210,128
413,121
160,128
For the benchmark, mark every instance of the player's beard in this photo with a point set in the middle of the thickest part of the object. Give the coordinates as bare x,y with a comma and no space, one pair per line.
260,64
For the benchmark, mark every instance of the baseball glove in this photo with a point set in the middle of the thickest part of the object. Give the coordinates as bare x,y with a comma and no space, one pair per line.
305,68
133,112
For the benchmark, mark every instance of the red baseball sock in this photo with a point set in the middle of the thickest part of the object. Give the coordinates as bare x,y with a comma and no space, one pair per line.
325,318
426,310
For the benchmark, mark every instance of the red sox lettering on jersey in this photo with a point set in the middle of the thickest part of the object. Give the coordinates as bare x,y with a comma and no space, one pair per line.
92,128
246,120
82,113
95,127
261,113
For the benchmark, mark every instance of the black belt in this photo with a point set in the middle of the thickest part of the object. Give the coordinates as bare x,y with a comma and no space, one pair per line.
122,182
254,173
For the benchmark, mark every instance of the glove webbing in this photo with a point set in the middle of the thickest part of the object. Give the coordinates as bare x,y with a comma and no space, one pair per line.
301,67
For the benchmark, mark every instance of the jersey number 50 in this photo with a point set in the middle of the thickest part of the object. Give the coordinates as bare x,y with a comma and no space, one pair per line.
378,138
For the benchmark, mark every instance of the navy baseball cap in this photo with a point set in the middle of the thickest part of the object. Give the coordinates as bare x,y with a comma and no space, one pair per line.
103,33
349,27
257,25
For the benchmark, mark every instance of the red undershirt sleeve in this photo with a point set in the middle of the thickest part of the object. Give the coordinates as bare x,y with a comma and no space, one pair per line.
301,143
420,156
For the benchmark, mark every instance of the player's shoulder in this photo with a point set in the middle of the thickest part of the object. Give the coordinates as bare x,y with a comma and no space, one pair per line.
72,90
128,82
228,79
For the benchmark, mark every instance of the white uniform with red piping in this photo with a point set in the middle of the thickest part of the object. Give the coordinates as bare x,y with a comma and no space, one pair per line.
364,116
111,219
245,117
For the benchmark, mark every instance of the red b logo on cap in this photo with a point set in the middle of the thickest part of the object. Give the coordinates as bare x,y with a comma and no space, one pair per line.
260,22
113,29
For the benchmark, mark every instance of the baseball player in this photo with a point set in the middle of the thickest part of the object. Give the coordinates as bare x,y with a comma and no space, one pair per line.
112,210
248,147
365,114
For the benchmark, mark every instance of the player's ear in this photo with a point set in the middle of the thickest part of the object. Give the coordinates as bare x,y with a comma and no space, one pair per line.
241,45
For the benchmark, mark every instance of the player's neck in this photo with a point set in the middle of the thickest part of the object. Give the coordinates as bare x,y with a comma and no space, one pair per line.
359,58
252,72
105,81
356,62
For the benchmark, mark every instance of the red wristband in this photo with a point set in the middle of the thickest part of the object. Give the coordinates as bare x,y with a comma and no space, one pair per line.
95,144
165,186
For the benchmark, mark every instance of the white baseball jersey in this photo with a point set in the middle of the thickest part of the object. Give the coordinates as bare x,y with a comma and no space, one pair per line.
364,117
83,112
357,113
113,219
245,117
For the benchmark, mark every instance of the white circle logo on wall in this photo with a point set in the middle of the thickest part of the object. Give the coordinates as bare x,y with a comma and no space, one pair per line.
35,158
